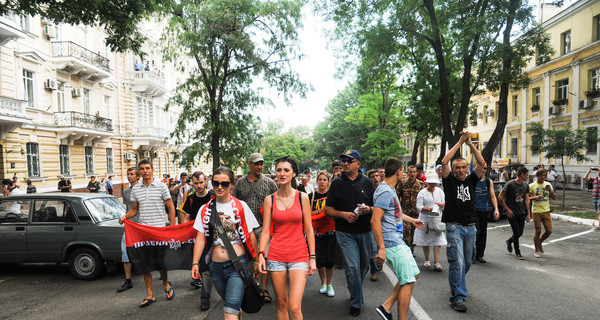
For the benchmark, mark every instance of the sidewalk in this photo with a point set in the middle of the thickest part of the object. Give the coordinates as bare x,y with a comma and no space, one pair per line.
575,200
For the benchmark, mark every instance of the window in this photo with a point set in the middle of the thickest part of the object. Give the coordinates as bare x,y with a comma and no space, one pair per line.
513,146
515,105
60,96
28,93
65,168
53,211
14,211
86,101
109,160
33,159
565,42
595,79
535,146
89,160
591,136
485,112
498,150
596,28
107,108
24,21
563,89
535,106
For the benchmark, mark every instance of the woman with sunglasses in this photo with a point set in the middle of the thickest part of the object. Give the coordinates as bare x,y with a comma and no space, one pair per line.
238,221
290,253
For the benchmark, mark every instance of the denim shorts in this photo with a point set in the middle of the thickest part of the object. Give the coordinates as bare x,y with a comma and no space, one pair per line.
124,256
228,283
285,266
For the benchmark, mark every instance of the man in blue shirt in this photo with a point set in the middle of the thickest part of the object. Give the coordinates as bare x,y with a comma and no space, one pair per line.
390,245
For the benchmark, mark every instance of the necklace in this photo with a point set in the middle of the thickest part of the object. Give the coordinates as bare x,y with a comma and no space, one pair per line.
289,205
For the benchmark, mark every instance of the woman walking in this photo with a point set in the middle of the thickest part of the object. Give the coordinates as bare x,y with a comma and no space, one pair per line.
238,221
290,253
324,227
426,200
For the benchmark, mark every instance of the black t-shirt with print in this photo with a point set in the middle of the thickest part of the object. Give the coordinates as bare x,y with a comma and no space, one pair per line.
193,203
515,196
460,196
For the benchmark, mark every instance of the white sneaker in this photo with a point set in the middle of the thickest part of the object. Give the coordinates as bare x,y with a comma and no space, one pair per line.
330,291
323,289
427,264
537,255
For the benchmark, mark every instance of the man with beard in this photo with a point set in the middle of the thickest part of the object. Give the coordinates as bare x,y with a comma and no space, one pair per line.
407,190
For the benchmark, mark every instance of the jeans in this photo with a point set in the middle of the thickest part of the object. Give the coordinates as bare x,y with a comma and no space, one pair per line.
229,284
596,203
206,286
482,222
460,253
517,224
357,250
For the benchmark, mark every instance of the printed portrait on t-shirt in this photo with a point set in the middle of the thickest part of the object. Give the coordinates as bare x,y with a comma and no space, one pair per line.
228,226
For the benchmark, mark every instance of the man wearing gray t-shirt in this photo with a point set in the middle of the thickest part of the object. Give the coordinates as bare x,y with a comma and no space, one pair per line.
133,175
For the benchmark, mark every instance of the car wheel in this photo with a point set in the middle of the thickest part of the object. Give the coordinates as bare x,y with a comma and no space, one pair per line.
85,264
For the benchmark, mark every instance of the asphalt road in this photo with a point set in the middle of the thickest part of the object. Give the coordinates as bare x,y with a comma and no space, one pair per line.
562,285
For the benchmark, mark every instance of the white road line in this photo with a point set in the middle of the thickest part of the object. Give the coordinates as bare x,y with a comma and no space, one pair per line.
549,242
414,307
2,280
496,227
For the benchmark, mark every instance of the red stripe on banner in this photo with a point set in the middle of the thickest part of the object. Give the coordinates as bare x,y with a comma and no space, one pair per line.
135,233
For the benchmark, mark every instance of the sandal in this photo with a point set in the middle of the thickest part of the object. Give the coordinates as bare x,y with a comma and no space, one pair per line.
427,264
146,302
170,291
267,297
438,267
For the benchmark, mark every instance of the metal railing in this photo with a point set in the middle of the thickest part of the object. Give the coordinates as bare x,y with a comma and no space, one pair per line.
12,106
82,120
71,49
150,131
150,77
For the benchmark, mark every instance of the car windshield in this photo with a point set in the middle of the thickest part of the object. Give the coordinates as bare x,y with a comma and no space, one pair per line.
103,209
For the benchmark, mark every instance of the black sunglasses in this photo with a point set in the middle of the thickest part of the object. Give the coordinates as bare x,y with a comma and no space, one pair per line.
348,160
224,184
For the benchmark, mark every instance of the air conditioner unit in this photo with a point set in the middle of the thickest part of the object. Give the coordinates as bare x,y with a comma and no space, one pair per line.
585,104
49,31
147,154
128,156
50,84
76,92
489,113
479,115
554,110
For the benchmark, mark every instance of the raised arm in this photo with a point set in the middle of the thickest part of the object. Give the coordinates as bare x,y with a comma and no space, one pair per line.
478,157
450,154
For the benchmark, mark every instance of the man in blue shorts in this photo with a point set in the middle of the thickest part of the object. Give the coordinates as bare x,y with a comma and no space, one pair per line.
390,245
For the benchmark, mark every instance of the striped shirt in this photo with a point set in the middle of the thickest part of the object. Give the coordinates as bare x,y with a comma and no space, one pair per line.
151,201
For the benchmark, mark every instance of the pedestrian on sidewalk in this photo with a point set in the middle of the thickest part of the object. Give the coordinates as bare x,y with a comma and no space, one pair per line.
538,193
515,199
460,218
390,245
484,194
595,187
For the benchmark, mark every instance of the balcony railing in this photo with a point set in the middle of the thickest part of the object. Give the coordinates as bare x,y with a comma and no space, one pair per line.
82,120
71,49
12,107
151,131
148,76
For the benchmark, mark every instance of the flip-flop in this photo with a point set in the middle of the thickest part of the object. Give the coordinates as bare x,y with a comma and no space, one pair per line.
169,291
147,302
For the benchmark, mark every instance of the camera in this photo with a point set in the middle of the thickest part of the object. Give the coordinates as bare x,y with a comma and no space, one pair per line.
594,169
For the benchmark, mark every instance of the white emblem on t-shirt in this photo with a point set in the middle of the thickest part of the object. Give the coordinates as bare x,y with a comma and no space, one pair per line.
463,193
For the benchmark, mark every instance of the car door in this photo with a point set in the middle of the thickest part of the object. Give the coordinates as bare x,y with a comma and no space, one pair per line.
13,228
53,225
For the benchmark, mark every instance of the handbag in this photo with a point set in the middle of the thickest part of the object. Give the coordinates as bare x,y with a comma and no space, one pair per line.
253,293
434,221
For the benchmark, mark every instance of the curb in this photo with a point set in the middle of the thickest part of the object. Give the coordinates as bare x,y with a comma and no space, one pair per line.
587,222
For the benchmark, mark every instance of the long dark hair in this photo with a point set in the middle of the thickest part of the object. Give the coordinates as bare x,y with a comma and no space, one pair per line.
294,168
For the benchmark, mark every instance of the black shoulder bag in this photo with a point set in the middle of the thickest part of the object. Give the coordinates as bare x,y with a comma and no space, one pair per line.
253,293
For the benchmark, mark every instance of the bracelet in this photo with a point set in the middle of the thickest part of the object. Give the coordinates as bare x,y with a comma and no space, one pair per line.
262,252
195,264
312,258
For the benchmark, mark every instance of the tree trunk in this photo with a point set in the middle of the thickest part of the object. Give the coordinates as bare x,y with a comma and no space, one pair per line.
413,157
562,164
442,151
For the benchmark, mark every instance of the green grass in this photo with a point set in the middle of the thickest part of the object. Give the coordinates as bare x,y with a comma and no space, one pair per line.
579,214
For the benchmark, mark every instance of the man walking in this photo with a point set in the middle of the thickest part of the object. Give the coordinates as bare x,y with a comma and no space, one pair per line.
515,199
181,189
407,190
538,193
133,176
198,197
253,189
484,194
460,218
148,199
389,242
349,202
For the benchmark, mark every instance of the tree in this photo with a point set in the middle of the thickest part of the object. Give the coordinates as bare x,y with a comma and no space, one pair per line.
224,46
560,144
119,18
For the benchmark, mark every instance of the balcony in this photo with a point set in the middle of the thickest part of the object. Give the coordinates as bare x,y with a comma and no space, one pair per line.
12,114
77,60
149,136
10,29
75,125
148,83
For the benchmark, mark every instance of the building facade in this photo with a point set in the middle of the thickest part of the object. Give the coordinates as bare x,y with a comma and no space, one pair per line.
70,106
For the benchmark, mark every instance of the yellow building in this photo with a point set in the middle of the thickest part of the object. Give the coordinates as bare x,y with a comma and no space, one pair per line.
70,106
564,91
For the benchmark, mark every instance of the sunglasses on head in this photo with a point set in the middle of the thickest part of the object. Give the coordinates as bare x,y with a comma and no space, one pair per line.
224,184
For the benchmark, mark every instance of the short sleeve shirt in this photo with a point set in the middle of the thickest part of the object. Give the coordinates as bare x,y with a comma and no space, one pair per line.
460,196
344,195
408,192
542,204
515,196
386,198
193,203
229,223
242,189
151,201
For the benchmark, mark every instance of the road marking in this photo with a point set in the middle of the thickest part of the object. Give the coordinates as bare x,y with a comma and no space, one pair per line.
549,242
2,280
496,227
414,307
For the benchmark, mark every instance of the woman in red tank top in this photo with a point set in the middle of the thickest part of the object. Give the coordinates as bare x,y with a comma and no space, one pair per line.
290,252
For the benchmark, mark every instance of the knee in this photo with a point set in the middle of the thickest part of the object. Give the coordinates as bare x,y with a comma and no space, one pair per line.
549,231
295,309
282,302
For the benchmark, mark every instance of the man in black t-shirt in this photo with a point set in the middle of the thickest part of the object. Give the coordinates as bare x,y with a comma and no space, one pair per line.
460,217
195,199
515,199
64,185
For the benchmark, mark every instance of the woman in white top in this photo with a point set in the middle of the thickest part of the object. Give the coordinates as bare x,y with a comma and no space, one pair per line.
426,200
